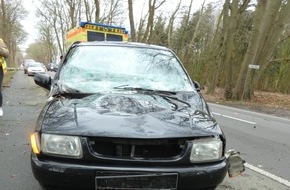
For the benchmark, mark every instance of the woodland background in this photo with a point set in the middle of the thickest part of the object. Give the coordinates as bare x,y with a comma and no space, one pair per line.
216,42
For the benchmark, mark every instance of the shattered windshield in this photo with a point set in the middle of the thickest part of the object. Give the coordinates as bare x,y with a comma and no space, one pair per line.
91,69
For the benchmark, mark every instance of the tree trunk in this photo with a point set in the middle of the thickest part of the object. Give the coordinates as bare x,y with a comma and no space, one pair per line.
97,13
72,8
131,18
181,52
229,49
249,57
147,37
269,46
170,25
216,54
87,10
187,55
151,12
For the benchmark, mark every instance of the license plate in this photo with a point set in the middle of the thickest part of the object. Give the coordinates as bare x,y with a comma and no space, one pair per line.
138,181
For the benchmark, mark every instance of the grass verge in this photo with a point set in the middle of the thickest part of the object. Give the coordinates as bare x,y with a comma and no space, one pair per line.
7,78
266,102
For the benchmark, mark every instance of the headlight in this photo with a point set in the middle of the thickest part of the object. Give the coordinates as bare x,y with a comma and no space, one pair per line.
61,145
206,150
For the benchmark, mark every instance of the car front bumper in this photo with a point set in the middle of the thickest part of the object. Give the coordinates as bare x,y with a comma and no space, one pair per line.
35,72
59,175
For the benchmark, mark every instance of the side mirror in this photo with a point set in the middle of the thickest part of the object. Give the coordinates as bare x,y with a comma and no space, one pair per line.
43,80
197,86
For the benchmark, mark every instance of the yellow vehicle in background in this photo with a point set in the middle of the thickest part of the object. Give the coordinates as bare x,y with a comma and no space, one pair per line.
88,31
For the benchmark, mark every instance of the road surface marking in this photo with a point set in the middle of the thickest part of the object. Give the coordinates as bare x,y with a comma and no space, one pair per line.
234,118
251,112
269,175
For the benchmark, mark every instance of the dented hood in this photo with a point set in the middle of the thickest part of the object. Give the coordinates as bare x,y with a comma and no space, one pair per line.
130,116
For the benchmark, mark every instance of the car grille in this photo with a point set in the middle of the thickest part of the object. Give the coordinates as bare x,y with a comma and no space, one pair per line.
138,148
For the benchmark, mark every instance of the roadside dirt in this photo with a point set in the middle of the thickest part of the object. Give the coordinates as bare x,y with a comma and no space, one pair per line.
276,104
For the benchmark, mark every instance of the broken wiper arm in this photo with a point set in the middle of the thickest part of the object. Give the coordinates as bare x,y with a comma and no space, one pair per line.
125,87
204,114
167,95
71,94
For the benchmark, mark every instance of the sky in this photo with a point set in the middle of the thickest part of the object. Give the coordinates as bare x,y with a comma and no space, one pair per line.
30,21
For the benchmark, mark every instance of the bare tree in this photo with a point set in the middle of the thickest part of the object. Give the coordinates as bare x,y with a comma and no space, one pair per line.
216,48
132,23
188,51
38,51
72,8
170,24
150,22
91,9
270,19
229,42
97,12
265,53
113,14
185,25
52,13
61,15
142,20
11,13
47,39
4,21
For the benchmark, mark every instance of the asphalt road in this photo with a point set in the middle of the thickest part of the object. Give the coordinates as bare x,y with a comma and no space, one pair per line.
263,140
23,101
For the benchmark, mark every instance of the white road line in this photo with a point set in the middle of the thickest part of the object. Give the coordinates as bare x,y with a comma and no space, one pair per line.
251,112
234,118
269,175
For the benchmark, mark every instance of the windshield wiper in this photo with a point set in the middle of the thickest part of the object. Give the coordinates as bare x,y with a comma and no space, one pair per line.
167,95
126,87
72,94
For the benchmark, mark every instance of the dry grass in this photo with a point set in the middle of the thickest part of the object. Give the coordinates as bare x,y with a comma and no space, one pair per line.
268,102
260,98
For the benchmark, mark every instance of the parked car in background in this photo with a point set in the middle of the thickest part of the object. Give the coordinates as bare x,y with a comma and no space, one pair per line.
126,116
44,67
35,67
52,67
25,64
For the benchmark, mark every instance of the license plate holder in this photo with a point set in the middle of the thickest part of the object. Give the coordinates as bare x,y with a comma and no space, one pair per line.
137,181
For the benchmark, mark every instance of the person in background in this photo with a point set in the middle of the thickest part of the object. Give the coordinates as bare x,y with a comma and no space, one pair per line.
3,54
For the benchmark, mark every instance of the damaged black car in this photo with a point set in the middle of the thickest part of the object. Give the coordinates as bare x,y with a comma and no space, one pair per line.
125,116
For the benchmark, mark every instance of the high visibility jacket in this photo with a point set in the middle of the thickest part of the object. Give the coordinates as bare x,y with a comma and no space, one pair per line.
4,53
3,64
